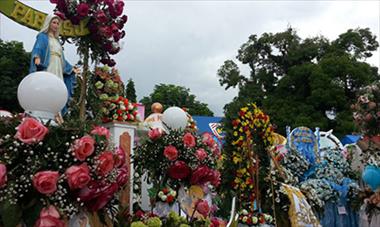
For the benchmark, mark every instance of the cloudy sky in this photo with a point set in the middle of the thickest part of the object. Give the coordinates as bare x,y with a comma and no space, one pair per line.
185,42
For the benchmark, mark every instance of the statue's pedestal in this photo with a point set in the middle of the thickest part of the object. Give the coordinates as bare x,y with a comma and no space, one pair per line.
123,134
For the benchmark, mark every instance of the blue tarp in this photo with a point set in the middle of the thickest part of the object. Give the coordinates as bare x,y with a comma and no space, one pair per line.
208,124
347,139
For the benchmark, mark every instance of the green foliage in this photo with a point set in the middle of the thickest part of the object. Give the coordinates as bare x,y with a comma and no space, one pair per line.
130,92
14,65
296,80
171,95
10,214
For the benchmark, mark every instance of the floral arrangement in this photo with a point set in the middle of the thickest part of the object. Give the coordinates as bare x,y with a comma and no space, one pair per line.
120,110
178,158
296,164
108,91
367,110
56,172
167,195
251,219
105,23
318,192
248,158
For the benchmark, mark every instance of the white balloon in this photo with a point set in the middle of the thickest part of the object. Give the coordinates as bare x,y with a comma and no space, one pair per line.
42,92
175,118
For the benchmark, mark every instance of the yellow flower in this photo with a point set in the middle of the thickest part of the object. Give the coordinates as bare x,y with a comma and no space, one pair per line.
236,159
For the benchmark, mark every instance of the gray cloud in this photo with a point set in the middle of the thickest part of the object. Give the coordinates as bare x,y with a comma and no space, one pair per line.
185,42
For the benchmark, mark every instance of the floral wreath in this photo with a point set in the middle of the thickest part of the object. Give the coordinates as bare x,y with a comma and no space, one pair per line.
252,134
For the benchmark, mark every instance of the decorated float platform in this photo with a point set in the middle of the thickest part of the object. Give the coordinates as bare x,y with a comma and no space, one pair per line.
86,156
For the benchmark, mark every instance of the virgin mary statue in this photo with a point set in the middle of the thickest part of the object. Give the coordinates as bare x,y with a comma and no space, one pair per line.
47,55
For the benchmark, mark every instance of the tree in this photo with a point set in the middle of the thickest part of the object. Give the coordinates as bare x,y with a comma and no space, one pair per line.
14,65
296,81
130,92
172,95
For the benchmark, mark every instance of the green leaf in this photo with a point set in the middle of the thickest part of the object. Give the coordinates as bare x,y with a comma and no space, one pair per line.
152,192
10,214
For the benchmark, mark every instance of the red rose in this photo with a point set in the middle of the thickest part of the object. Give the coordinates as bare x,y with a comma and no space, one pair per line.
3,175
101,131
203,208
106,31
122,176
169,198
105,163
49,217
101,16
120,157
170,152
119,5
165,190
189,140
46,181
179,170
82,9
154,134
83,147
201,154
31,131
96,196
204,174
78,176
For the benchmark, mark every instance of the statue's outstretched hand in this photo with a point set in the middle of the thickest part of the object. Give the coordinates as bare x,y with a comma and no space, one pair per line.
37,61
76,70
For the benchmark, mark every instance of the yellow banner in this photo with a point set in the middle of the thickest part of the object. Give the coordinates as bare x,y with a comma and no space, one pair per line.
34,19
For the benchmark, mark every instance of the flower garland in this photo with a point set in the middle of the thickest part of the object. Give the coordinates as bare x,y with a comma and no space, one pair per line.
61,170
252,219
105,23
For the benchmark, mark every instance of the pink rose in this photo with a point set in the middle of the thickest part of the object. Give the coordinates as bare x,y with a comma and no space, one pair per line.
31,131
203,208
83,147
207,139
201,154
179,170
101,131
82,9
105,163
154,134
189,140
3,175
171,153
120,157
49,217
46,181
78,176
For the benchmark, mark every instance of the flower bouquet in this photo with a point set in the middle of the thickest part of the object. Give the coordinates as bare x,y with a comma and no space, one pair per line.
50,174
367,118
108,90
104,21
179,160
